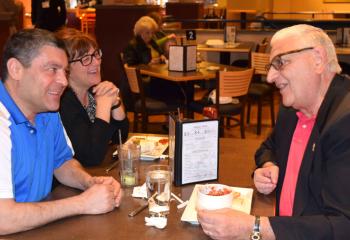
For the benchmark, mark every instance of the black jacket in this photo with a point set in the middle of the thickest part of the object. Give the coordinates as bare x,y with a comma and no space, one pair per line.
137,52
89,140
322,198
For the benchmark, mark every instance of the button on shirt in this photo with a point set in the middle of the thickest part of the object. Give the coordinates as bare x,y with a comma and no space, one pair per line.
296,153
29,153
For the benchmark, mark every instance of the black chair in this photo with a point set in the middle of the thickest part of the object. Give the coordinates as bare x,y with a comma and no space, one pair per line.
228,84
143,105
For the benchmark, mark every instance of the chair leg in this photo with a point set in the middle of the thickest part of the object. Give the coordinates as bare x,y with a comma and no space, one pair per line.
241,123
248,111
144,122
221,127
136,117
272,110
258,129
228,122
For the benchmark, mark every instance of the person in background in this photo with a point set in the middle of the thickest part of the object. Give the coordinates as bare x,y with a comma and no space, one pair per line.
34,145
91,110
143,49
161,38
49,14
306,157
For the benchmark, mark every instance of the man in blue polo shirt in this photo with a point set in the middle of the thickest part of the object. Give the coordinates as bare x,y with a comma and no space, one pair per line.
34,145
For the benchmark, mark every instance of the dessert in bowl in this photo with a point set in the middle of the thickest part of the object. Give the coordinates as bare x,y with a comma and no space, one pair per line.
214,196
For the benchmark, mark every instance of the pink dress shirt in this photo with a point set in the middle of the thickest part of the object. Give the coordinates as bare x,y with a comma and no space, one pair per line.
296,153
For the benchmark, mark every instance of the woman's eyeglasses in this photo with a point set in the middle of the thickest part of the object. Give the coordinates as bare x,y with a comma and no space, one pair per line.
277,62
87,59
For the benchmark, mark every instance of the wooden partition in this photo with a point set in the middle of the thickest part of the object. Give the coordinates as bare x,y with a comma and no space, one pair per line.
186,10
113,29
5,23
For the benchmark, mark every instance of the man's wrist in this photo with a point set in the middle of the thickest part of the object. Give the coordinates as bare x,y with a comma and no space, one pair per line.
256,235
269,163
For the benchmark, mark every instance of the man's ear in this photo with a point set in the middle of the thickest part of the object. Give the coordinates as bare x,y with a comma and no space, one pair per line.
320,57
15,69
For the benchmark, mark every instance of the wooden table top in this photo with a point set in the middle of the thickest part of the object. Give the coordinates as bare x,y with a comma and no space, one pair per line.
243,47
203,72
235,167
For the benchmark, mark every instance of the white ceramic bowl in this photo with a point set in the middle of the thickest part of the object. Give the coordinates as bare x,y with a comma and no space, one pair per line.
214,196
215,43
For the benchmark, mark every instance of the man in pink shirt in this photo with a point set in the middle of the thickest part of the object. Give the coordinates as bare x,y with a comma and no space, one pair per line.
306,159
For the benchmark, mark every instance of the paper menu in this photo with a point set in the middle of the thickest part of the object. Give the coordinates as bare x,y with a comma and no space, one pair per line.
193,149
199,148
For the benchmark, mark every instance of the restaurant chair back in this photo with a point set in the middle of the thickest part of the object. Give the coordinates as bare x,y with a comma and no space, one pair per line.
233,84
144,106
259,62
133,75
87,20
261,47
260,91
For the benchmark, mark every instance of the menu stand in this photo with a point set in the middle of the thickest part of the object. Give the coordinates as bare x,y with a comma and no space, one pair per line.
193,150
183,58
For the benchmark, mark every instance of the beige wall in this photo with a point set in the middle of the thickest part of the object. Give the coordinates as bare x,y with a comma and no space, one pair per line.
287,6
309,5
259,5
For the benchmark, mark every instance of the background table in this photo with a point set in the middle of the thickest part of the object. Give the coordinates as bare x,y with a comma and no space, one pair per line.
235,167
202,73
225,52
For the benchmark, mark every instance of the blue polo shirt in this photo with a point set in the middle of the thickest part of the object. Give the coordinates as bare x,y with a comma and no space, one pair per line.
29,153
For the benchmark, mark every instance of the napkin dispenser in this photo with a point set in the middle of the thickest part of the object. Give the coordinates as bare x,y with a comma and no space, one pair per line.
183,58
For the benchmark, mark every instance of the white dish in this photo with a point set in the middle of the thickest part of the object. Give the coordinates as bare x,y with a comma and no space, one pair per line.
213,68
231,45
216,46
152,147
215,43
222,198
242,203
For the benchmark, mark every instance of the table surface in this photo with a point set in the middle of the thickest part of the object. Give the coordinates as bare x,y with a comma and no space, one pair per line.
202,72
235,168
243,47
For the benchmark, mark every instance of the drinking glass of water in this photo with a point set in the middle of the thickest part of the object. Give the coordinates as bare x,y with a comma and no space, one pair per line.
129,156
158,181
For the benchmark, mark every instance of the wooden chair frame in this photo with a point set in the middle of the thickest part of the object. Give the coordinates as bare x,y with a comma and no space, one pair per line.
258,63
134,77
233,84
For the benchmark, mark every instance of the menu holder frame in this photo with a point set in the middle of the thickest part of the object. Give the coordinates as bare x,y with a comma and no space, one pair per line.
179,157
230,34
182,58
